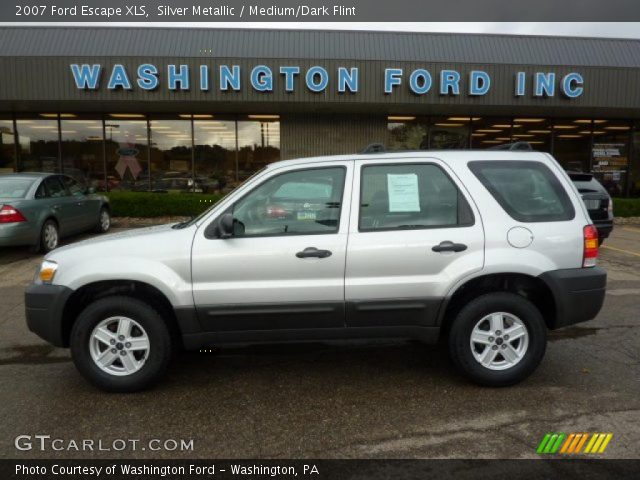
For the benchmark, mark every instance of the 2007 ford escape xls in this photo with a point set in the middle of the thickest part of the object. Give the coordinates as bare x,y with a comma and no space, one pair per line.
490,248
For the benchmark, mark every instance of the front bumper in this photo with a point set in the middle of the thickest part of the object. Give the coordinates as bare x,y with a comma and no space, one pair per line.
44,305
578,294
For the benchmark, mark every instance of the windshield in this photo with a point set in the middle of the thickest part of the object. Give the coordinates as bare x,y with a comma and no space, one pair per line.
195,220
11,187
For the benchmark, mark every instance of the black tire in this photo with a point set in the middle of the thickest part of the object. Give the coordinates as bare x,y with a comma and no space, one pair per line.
466,320
101,226
159,354
44,244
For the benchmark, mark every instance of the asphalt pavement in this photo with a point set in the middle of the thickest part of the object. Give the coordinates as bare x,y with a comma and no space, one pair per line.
364,400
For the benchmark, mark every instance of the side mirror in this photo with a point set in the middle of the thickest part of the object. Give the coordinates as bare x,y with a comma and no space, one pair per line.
225,226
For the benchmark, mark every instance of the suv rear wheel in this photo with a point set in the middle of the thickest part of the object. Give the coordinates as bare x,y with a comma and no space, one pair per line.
498,339
120,344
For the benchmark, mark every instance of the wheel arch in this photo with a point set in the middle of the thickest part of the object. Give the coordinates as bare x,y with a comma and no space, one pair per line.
530,287
145,292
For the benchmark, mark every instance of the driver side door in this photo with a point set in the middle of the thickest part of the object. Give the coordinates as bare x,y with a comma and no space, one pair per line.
283,268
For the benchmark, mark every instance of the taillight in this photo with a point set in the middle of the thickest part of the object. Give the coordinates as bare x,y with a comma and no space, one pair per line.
8,214
590,246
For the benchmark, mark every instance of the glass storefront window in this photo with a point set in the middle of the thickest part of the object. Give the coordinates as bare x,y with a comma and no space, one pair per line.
82,151
535,130
38,146
258,143
407,132
215,154
610,154
449,133
7,146
634,171
489,132
171,157
127,155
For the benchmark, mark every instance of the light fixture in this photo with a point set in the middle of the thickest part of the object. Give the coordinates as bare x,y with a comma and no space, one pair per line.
44,127
600,121
617,127
488,130
491,141
392,118
506,126
523,135
264,117
565,127
126,115
599,132
94,138
585,132
504,139
478,134
539,131
463,119
582,121
535,142
528,120
449,124
569,136
68,131
49,115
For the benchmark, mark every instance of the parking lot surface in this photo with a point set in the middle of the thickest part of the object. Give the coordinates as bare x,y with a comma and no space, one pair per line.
368,400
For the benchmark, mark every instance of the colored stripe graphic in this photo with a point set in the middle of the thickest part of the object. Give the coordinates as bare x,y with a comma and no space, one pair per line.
573,443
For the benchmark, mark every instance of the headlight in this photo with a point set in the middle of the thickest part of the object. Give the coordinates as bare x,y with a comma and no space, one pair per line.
46,272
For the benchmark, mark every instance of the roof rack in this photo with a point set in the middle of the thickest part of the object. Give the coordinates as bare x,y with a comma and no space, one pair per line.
519,146
374,148
515,146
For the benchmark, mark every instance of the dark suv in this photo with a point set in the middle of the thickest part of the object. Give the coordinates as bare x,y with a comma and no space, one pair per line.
597,200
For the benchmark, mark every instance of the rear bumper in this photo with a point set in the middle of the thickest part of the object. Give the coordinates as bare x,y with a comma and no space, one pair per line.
44,306
15,234
578,294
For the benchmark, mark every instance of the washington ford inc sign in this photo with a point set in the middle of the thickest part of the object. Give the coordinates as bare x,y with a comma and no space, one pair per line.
316,79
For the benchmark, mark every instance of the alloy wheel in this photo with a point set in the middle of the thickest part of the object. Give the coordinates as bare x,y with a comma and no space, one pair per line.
119,346
499,341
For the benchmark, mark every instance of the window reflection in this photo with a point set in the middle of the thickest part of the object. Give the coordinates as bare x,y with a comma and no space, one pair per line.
215,154
38,145
448,133
171,169
408,133
7,146
258,144
127,158
82,151
611,142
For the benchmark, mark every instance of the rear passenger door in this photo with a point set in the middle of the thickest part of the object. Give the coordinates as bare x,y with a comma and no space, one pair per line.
86,209
62,204
413,233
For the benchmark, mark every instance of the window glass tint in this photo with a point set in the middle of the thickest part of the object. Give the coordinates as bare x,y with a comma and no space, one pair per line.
74,187
41,192
410,196
54,187
14,187
527,191
294,203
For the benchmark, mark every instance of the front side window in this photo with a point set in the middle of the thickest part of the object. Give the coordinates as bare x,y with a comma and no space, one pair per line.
294,203
400,197
528,191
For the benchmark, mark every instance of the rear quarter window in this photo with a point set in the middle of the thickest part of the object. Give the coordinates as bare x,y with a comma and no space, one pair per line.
528,191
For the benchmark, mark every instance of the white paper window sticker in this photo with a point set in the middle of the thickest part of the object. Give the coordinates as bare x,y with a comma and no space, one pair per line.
403,192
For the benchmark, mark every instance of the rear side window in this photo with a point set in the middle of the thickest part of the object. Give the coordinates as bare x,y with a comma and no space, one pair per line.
410,196
527,191
55,189
11,187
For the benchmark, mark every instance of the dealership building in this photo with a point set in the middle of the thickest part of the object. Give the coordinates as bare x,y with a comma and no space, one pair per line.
182,109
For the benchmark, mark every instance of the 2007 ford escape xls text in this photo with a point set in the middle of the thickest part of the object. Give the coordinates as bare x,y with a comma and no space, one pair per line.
490,248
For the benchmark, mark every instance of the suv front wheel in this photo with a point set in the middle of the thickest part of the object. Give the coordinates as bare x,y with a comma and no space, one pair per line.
498,339
120,344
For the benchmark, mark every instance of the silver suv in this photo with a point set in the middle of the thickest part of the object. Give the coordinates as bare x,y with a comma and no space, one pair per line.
489,249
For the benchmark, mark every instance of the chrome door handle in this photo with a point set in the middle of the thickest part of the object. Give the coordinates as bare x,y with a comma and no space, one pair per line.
313,252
